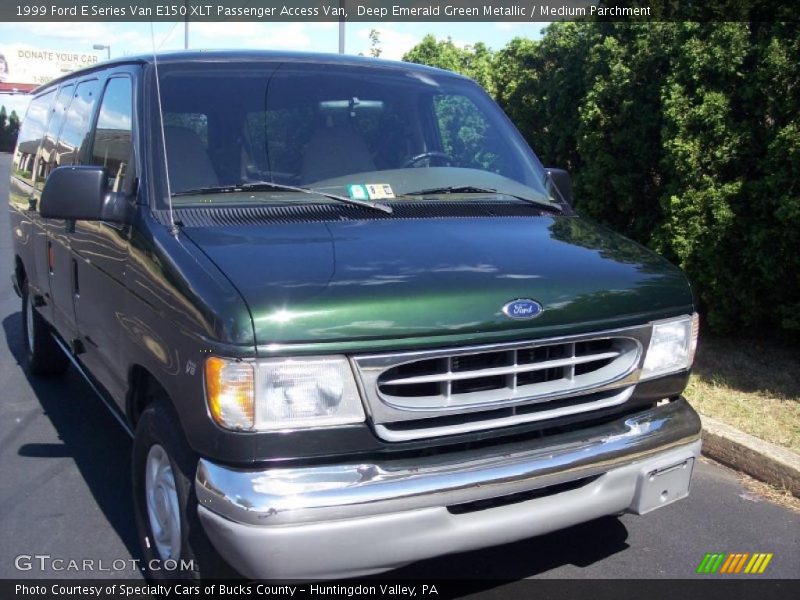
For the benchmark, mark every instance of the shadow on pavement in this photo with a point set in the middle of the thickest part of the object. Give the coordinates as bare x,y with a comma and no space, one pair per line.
89,435
581,545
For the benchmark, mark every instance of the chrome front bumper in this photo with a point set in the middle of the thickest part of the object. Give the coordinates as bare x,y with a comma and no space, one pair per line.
361,518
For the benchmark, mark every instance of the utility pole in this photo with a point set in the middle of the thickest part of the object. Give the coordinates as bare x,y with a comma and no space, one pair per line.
341,27
186,26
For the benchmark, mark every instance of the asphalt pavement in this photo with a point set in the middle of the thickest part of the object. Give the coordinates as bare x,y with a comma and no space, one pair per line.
65,495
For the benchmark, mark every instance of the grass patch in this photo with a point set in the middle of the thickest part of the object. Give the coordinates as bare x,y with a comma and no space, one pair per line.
753,385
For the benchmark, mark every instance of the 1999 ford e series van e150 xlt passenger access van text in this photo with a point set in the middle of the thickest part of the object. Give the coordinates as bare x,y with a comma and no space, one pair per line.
349,318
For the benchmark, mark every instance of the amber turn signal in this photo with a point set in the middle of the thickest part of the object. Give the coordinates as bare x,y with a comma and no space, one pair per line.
230,392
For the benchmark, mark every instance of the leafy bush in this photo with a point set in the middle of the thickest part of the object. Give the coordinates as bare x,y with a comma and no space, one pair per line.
683,136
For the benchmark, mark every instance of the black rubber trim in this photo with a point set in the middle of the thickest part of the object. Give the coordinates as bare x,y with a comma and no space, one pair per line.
550,490
222,216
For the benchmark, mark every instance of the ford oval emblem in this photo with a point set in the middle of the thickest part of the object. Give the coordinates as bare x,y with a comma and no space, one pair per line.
523,308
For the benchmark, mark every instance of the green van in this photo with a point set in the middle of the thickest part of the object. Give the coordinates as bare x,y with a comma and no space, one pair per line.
348,317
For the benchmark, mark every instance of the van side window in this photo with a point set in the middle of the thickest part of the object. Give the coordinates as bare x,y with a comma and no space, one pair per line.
30,136
74,136
112,139
48,159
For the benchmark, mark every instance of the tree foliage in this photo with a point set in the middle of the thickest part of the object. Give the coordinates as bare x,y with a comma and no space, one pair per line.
475,61
683,136
9,128
375,49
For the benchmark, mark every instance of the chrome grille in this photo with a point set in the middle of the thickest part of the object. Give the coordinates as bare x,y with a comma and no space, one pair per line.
483,376
501,417
421,394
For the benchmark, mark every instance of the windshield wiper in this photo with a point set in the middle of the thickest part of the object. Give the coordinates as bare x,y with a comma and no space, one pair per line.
271,186
471,189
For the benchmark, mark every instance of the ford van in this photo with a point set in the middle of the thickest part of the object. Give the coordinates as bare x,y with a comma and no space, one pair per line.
349,318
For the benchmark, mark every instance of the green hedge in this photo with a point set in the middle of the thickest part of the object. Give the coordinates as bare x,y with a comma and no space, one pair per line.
683,136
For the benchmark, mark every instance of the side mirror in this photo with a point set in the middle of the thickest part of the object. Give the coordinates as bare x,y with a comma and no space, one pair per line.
81,193
563,184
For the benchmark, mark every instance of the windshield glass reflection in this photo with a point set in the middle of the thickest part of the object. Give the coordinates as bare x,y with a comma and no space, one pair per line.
330,126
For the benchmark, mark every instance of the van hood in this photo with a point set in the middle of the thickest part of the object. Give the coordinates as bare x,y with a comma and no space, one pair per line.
389,279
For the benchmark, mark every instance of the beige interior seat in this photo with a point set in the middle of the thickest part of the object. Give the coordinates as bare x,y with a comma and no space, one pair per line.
189,165
334,151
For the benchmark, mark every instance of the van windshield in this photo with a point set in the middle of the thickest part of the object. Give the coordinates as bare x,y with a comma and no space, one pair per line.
330,128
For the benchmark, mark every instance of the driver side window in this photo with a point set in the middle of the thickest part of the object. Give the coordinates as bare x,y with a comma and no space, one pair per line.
113,134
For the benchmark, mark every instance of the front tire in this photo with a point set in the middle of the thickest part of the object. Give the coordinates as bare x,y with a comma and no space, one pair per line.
169,528
43,356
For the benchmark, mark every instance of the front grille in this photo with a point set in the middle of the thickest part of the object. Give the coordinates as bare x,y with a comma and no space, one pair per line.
483,377
440,392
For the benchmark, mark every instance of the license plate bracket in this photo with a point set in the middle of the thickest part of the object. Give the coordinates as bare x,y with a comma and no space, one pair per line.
660,486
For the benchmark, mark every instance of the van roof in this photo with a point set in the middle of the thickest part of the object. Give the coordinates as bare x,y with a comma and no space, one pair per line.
189,56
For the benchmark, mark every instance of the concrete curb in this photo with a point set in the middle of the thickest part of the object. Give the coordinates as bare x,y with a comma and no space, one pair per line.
762,460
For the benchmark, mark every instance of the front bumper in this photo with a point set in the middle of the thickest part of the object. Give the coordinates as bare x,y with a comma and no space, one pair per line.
356,519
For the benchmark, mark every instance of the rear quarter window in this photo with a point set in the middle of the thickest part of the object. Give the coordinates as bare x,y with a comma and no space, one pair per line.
30,136
48,158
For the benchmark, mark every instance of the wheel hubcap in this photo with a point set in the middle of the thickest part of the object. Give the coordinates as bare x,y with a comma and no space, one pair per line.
29,323
162,503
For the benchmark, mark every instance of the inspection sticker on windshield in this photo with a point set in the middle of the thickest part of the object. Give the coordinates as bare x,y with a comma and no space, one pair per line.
370,191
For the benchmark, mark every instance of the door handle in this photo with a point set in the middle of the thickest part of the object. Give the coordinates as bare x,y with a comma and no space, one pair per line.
76,289
51,259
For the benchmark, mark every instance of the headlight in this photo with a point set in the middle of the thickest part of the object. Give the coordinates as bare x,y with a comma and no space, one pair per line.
672,346
283,393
